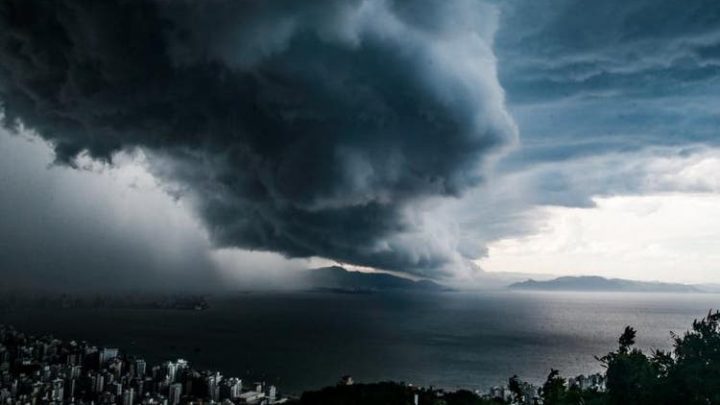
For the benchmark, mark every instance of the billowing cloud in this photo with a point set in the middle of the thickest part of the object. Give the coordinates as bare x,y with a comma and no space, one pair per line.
306,128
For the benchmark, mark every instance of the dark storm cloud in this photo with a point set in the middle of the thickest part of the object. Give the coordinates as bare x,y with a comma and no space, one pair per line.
306,128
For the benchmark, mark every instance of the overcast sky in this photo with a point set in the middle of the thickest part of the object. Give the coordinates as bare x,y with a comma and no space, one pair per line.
204,144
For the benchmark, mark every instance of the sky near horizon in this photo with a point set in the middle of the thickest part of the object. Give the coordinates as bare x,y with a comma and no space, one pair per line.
230,143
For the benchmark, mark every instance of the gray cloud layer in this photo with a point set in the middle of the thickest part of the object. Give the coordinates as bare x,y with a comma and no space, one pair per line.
306,128
585,78
560,48
602,91
65,229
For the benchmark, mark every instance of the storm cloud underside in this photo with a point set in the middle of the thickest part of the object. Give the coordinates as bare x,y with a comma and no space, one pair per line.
306,128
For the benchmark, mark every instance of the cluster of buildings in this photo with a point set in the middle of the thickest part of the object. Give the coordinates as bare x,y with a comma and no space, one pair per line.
45,370
531,394
590,382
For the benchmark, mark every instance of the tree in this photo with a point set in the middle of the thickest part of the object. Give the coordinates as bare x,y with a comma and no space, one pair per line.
693,369
627,339
465,397
516,389
631,375
554,390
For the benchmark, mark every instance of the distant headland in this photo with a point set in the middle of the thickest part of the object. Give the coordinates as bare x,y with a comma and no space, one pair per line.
601,284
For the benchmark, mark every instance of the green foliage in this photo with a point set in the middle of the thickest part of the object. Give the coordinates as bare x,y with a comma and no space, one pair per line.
515,388
464,397
386,393
688,375
694,375
627,339
631,376
554,390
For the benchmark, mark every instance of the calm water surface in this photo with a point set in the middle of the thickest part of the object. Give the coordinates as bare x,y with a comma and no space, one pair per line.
308,340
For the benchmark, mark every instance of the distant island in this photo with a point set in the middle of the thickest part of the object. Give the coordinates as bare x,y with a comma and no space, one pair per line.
596,283
338,279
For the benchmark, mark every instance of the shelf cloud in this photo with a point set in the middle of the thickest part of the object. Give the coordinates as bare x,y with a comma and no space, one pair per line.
305,128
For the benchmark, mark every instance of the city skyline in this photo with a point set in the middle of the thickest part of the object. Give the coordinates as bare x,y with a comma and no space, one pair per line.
50,370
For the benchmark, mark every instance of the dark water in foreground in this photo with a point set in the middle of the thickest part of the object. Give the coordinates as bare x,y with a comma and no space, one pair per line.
308,340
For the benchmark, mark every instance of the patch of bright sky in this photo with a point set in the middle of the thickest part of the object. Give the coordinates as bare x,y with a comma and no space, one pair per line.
668,237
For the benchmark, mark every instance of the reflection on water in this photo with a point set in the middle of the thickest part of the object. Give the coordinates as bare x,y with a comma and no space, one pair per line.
306,340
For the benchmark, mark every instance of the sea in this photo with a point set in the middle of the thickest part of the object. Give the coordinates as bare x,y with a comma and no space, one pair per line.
307,340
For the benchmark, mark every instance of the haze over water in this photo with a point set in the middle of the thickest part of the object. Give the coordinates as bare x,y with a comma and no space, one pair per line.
308,340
